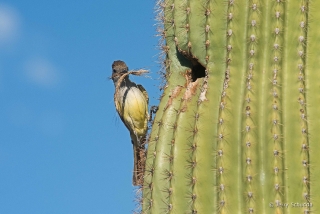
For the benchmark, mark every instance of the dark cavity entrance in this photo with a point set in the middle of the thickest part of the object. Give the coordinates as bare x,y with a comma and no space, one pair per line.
198,71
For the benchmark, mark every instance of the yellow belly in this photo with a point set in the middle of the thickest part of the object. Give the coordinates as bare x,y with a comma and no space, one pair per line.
134,110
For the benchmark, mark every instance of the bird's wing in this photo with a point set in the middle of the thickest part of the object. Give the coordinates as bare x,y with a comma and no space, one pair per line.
145,94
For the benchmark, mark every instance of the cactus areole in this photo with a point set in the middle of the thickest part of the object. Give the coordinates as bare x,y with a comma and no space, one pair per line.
238,125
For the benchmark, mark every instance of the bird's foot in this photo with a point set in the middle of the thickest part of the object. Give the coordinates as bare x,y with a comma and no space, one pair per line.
153,110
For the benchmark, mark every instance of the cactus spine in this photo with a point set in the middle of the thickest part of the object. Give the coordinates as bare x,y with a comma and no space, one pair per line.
237,130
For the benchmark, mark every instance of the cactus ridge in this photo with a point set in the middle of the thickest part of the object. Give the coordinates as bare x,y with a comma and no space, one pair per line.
249,112
237,128
312,96
276,109
298,137
227,127
187,145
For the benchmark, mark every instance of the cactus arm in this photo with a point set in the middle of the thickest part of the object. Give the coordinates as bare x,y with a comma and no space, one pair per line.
313,99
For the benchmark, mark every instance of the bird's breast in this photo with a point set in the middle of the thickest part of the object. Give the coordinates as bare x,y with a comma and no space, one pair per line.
133,107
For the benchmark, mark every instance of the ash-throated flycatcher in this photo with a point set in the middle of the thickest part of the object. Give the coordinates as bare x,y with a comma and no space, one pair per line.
131,101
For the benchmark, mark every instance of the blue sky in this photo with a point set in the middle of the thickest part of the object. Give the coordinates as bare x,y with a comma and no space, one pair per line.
63,148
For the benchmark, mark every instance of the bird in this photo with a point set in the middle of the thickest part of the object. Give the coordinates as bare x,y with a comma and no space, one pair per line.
131,102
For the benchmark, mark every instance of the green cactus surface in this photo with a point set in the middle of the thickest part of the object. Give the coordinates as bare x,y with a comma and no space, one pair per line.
238,125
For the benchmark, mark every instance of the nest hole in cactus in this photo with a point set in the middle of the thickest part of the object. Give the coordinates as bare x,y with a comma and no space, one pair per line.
198,71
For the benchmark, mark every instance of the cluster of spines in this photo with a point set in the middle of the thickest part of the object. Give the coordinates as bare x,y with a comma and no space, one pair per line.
161,30
302,38
207,31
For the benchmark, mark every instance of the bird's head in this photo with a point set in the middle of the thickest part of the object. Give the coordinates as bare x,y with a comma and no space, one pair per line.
118,69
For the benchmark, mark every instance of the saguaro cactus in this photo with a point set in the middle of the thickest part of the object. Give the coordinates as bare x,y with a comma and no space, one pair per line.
238,125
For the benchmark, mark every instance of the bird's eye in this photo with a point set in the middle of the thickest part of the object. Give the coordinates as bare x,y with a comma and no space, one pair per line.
114,70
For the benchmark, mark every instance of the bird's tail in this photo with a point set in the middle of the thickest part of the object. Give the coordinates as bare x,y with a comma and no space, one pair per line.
139,163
